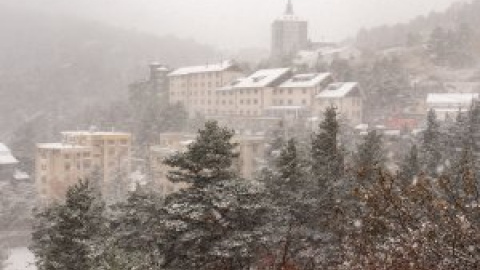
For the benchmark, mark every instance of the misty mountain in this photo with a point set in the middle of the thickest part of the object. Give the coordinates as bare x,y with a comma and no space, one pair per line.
419,29
51,63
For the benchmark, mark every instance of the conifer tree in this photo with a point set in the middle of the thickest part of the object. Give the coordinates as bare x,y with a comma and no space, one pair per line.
431,145
410,167
369,158
136,229
66,236
213,223
327,155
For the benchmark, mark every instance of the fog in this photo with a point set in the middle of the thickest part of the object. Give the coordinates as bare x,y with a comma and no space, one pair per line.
234,24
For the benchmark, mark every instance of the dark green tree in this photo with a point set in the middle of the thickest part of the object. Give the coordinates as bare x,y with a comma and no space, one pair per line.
327,154
68,235
214,222
369,158
410,166
431,147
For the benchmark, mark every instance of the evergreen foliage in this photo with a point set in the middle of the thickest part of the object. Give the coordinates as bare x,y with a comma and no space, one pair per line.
214,223
369,158
410,166
432,145
66,236
327,155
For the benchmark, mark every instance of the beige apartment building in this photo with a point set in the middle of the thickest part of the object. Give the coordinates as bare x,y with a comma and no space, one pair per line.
195,86
80,155
250,148
346,97
59,166
220,91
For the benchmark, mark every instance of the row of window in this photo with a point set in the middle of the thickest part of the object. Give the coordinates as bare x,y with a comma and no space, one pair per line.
289,91
281,102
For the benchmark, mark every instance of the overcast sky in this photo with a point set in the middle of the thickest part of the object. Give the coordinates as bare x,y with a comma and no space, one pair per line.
241,23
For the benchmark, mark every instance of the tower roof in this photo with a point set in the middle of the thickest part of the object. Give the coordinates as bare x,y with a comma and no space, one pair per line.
289,9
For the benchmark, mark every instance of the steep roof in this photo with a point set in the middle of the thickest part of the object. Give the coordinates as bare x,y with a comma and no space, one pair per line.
262,78
337,90
305,80
6,157
222,66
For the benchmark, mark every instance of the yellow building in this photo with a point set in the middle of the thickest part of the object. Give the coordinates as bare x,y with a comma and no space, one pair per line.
250,148
346,97
107,154
195,86
59,166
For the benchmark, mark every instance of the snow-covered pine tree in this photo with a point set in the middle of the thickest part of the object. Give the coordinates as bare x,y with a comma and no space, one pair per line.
327,154
431,145
369,158
410,166
66,236
213,223
136,228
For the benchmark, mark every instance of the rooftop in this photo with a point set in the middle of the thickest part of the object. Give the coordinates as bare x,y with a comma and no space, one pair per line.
262,78
222,66
337,90
451,98
305,80
60,146
95,133
6,157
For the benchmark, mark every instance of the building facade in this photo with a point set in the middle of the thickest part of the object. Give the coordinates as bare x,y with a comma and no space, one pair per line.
346,97
195,86
105,156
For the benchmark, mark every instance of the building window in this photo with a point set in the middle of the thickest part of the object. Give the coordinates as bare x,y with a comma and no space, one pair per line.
290,102
44,179
304,102
304,91
67,166
67,156
290,91
255,101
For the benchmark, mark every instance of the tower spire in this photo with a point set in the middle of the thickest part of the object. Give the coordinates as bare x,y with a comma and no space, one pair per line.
289,10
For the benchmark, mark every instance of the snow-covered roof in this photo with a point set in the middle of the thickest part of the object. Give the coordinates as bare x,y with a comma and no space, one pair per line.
94,133
451,98
222,66
262,78
337,90
61,146
6,157
231,86
305,80
19,175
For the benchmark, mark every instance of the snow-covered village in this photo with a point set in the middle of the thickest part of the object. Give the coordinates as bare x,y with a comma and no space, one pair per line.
239,135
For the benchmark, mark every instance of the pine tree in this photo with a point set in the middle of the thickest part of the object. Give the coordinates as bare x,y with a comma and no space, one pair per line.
66,236
213,223
136,228
369,158
431,145
327,155
410,166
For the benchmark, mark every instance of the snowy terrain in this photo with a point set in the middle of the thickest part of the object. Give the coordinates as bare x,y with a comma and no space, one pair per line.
20,259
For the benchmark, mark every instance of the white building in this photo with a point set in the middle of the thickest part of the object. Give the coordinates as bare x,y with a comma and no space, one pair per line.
450,104
346,97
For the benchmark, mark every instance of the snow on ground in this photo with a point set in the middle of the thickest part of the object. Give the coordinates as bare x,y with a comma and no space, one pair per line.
20,259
